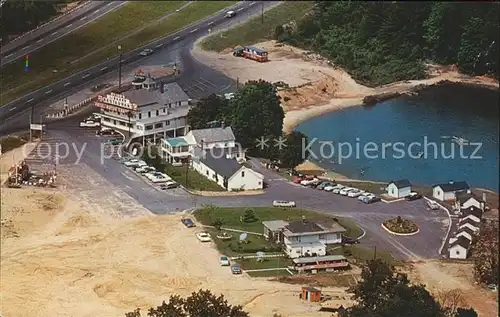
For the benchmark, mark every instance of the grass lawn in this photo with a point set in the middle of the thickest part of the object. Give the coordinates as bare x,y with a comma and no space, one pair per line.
364,254
268,263
254,30
101,38
231,218
194,180
11,142
251,246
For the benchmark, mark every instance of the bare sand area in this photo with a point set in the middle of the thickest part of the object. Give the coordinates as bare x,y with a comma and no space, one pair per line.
317,86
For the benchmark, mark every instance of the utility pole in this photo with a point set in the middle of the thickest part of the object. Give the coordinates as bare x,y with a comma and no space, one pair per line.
120,68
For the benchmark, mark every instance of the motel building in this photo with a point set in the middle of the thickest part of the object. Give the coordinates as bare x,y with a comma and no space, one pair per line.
150,112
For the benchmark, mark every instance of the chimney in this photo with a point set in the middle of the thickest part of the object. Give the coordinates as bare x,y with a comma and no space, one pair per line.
223,124
162,87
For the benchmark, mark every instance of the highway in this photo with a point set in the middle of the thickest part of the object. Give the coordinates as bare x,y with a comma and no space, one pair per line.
175,46
56,29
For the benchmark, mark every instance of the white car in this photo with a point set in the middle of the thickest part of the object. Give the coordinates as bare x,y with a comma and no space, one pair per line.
89,124
146,52
307,182
365,196
346,191
224,261
337,189
135,163
283,203
329,188
204,237
145,169
355,193
229,95
230,14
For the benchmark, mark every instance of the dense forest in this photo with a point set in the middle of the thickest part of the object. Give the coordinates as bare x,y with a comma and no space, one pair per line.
17,17
382,42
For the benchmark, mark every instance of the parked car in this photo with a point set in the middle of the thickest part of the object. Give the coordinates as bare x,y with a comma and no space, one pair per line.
297,180
413,196
224,260
355,193
230,14
105,131
432,205
323,184
365,196
371,199
188,222
337,189
236,269
145,169
315,183
349,240
135,163
204,237
146,52
283,203
169,185
346,191
89,124
308,182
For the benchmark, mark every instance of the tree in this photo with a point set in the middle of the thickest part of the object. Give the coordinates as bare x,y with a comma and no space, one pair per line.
292,154
249,216
200,304
206,111
255,112
485,254
382,293
451,300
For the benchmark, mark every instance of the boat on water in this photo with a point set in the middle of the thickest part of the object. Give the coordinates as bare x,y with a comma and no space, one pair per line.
459,140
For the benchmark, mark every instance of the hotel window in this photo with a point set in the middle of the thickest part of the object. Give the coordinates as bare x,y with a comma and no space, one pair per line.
157,113
149,127
167,122
164,109
140,115
149,114
159,125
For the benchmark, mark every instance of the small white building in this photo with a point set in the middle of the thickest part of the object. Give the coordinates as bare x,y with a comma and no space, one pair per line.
459,249
304,238
468,199
219,166
472,213
466,233
399,189
468,223
447,192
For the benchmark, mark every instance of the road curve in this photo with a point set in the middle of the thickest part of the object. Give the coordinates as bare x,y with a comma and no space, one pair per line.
183,37
52,31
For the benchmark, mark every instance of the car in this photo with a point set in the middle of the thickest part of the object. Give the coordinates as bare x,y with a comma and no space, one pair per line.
324,184
230,14
169,185
315,183
100,87
371,199
89,124
188,222
308,182
236,269
105,131
204,237
224,260
328,188
348,240
413,196
143,169
146,52
432,205
229,95
297,180
346,191
283,203
365,196
337,189
355,193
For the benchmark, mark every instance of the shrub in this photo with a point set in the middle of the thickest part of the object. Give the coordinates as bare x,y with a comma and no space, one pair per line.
249,216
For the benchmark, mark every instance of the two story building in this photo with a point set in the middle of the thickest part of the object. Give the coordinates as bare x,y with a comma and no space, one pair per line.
153,112
304,238
448,191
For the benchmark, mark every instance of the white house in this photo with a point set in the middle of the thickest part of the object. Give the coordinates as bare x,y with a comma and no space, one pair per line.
459,249
473,213
304,237
467,199
466,233
399,189
219,166
446,192
175,150
154,111
469,223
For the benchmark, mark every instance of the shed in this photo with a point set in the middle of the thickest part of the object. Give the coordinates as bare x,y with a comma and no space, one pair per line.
459,249
310,294
444,192
399,189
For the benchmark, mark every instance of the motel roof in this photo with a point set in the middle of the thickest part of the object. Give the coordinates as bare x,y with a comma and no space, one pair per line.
319,258
212,135
462,197
275,225
219,163
402,183
173,93
461,241
472,210
314,225
453,186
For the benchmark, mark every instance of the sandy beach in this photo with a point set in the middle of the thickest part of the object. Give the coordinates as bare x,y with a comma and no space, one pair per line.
317,87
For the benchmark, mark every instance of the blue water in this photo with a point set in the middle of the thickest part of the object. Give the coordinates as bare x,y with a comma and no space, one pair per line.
435,115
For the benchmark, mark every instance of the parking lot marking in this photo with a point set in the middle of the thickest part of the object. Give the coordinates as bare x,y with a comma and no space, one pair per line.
159,45
40,40
12,109
54,33
210,23
192,31
48,91
30,100
251,4
7,56
176,38
26,47
96,11
67,84
69,25
83,18
104,68
240,9
85,76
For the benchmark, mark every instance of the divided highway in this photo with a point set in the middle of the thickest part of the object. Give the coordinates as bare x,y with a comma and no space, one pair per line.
52,31
187,36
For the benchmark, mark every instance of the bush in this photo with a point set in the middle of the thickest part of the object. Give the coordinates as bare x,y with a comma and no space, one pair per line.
217,223
249,216
400,225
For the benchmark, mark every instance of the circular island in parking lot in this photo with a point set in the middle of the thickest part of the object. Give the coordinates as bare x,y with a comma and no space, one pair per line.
400,226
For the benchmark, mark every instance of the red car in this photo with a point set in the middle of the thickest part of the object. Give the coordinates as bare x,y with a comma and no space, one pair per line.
297,180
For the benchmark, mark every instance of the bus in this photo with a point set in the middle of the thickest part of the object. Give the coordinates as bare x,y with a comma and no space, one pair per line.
251,52
315,264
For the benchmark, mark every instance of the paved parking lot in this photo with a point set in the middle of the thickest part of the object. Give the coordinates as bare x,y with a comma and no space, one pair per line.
108,177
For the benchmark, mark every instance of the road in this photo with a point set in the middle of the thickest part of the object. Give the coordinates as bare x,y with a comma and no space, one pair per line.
172,48
52,31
